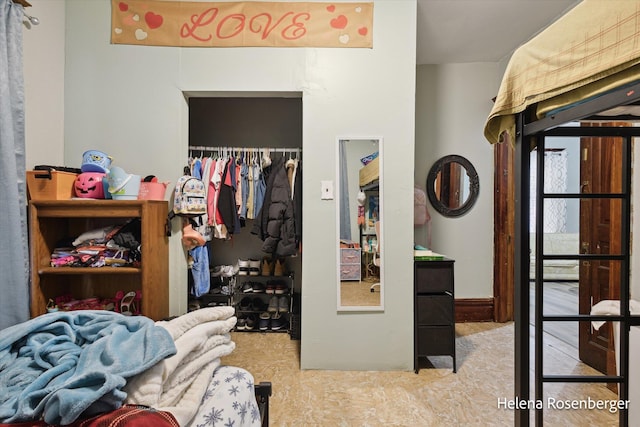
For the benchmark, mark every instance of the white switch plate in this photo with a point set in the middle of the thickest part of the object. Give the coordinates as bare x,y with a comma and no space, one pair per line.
327,190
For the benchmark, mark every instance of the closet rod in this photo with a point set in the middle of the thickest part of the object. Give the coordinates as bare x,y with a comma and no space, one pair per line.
275,150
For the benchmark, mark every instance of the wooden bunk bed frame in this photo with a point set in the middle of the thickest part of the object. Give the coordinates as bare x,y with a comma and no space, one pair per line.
530,133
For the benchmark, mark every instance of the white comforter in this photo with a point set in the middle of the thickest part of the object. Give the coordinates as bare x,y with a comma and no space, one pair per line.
177,384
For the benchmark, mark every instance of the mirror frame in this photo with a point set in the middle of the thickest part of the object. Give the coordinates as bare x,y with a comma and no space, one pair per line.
474,186
362,308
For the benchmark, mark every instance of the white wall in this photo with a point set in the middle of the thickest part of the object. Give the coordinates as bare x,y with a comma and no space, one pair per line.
452,104
43,60
127,101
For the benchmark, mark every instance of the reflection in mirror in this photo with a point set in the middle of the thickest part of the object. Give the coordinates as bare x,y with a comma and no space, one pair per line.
360,253
452,185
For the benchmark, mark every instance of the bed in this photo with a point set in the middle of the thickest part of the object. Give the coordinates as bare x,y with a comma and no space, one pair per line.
98,366
369,174
584,67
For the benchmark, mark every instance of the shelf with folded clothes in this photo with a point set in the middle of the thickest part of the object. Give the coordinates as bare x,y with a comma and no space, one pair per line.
89,270
91,249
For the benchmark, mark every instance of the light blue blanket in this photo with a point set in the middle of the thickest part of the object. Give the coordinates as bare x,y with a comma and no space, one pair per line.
60,366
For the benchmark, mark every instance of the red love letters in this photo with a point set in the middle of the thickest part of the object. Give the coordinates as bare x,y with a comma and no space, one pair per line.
202,27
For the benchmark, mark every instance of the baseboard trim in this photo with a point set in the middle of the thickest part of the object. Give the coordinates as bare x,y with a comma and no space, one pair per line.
474,310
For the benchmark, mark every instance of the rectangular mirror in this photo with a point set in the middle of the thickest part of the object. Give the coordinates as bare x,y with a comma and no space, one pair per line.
359,241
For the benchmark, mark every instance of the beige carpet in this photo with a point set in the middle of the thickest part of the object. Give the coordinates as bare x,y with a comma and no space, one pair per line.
358,293
434,397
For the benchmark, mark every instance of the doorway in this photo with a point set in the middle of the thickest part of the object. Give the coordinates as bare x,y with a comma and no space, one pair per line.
594,163
263,131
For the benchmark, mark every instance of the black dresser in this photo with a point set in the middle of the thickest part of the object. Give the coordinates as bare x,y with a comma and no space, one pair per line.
434,311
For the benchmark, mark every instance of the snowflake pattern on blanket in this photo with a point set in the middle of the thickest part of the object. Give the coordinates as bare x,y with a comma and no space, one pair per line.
229,401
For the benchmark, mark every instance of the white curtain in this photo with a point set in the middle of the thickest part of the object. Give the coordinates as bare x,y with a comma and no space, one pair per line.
14,254
555,181
345,215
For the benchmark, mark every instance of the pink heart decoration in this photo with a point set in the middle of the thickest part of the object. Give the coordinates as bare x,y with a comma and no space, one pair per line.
362,31
331,8
123,6
153,20
128,20
340,22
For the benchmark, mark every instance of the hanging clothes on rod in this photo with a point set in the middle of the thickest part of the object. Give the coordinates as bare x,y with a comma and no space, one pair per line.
221,150
236,179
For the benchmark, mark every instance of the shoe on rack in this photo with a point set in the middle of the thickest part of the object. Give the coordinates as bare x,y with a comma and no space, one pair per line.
245,304
265,315
258,305
193,305
283,304
243,267
216,271
281,288
128,304
247,287
228,271
278,269
273,305
241,324
265,268
278,322
270,288
264,324
258,288
251,322
254,267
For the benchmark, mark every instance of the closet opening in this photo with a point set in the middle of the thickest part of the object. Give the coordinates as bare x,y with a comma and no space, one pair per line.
253,269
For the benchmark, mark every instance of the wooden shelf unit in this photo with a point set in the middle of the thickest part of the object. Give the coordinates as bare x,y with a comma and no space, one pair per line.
50,221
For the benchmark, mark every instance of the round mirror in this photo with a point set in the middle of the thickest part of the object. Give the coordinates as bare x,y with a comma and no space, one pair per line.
452,185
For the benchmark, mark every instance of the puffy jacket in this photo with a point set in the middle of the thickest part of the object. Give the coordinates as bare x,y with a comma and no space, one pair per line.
275,224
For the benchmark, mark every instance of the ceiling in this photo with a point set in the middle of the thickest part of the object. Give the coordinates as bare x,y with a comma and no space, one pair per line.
459,31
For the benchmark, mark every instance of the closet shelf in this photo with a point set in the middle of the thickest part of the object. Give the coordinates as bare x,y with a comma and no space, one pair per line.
89,208
89,270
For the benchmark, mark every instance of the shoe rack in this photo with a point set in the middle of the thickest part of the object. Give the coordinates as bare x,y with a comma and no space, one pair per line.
51,221
264,303
220,293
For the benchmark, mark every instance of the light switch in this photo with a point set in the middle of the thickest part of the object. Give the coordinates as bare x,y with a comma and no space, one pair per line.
327,190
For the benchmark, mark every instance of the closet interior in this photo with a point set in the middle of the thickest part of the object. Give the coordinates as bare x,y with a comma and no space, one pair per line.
250,266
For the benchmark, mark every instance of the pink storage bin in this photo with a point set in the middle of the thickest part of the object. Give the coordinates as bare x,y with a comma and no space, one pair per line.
152,190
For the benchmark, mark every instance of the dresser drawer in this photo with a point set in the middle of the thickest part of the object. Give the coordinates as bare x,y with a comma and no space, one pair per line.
434,309
350,272
435,340
349,256
433,279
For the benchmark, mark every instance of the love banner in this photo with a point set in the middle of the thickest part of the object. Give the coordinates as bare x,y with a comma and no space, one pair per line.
235,24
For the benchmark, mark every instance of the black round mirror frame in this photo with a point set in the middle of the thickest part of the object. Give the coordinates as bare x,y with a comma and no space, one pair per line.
474,186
